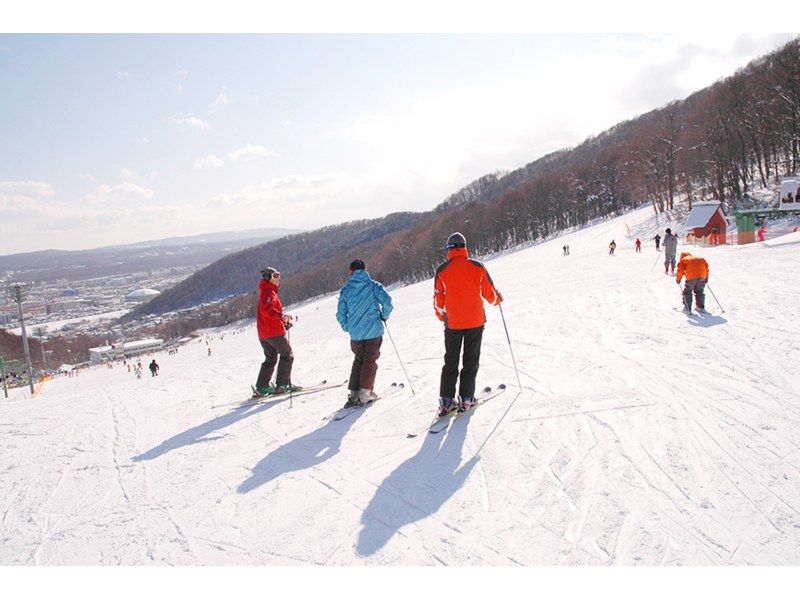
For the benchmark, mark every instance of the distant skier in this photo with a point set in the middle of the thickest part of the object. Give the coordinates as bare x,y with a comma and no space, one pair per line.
567,249
364,305
459,285
762,231
658,240
670,249
695,269
611,247
272,325
638,246
564,250
153,368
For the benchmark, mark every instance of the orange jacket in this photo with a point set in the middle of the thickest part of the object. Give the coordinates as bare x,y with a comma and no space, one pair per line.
458,287
691,266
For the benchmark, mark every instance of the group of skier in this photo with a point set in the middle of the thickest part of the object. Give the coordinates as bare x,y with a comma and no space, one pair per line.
461,285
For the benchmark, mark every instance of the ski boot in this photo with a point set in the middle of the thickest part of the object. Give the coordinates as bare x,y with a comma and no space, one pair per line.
263,391
466,403
366,396
352,399
287,388
446,406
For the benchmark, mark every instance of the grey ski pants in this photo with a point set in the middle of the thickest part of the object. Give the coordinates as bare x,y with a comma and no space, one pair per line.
696,286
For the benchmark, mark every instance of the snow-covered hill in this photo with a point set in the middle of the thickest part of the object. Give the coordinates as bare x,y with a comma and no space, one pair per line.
640,436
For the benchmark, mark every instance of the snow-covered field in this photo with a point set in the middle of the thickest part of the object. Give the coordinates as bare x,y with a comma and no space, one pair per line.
640,436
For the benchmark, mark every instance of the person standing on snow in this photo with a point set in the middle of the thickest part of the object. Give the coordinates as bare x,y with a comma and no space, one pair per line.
695,269
611,247
153,368
460,285
670,249
658,240
364,305
638,246
272,327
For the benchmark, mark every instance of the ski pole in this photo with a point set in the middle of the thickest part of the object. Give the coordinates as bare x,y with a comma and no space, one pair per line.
655,262
715,298
514,361
411,386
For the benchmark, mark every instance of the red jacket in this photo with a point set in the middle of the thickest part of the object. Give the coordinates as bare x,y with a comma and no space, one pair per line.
270,311
459,287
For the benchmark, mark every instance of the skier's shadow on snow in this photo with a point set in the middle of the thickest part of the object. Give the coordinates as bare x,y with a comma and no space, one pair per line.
706,321
301,453
417,488
202,432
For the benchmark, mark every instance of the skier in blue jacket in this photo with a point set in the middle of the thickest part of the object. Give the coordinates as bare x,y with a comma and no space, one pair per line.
364,305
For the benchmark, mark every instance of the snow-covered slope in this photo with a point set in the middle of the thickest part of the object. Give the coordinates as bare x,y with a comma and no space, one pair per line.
640,436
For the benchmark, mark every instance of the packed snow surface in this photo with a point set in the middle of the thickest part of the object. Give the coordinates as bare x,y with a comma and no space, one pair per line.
640,435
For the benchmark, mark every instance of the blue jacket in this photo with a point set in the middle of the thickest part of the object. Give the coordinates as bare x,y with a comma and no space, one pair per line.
363,306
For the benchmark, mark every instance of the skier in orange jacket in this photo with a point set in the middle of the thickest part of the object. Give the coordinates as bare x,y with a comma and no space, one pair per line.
695,269
460,286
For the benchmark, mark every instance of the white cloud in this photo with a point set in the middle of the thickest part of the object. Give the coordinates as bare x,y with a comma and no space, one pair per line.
223,99
251,152
295,194
35,188
126,173
187,121
153,174
211,161
182,73
5,50
119,193
122,75
142,140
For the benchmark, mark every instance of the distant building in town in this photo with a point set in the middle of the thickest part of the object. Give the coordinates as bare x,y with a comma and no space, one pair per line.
140,295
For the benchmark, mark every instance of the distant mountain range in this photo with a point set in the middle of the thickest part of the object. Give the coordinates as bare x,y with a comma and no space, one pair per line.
196,250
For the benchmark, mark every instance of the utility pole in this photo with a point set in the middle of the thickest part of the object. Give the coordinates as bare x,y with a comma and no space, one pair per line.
19,292
41,331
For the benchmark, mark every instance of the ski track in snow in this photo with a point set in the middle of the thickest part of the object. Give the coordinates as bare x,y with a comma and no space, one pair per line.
640,435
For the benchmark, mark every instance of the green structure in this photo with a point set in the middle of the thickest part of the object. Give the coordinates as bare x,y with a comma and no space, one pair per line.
746,222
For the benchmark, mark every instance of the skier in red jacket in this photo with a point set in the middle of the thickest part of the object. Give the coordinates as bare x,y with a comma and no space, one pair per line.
272,326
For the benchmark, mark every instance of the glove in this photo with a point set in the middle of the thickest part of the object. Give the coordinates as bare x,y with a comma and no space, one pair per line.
677,281
499,298
287,321
705,280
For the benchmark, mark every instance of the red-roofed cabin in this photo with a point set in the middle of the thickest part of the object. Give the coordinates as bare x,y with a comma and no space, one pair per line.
706,224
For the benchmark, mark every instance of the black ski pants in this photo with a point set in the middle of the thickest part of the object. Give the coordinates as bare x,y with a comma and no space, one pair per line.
365,363
273,347
471,339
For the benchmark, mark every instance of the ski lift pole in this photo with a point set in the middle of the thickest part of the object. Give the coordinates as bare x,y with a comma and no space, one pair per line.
715,297
514,361
411,386
3,373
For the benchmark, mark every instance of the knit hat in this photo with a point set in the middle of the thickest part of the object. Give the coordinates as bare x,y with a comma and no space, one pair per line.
669,231
267,273
357,265
455,240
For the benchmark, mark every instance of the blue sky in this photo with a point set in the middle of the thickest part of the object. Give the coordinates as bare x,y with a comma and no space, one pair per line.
119,138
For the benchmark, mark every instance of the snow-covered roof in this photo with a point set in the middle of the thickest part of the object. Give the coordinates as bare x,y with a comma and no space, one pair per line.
141,294
701,213
147,342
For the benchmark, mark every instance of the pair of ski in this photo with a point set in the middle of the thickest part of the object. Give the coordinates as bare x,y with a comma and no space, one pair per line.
344,412
442,422
307,390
